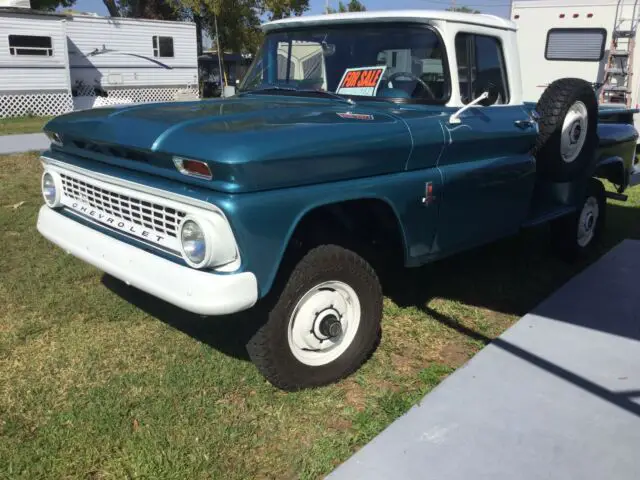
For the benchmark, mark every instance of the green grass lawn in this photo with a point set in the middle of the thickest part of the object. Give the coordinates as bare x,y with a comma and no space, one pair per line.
99,381
12,126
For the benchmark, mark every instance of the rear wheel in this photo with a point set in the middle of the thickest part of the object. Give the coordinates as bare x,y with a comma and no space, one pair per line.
325,323
575,234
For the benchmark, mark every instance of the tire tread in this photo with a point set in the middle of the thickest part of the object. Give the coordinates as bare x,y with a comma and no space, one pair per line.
260,346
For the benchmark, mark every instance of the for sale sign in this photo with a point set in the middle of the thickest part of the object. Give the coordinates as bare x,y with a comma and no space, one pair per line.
363,81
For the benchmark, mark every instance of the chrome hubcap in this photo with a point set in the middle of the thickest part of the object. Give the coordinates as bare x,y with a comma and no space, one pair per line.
324,323
588,221
574,132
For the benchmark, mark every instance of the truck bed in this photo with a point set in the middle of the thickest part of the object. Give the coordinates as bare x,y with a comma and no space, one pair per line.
616,141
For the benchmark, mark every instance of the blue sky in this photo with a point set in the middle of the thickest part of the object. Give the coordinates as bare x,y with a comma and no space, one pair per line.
496,7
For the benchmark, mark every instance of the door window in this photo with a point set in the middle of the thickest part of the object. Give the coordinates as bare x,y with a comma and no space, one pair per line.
481,66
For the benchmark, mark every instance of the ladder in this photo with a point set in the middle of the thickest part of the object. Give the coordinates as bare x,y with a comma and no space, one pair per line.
617,85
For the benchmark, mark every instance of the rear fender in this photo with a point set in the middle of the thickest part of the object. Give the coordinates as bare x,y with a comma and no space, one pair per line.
612,169
614,157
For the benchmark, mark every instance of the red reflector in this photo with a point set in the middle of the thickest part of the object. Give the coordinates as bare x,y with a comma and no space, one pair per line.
200,168
589,15
194,168
576,15
562,15
516,17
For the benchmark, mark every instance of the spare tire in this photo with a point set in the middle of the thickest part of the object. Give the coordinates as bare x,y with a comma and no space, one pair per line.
568,123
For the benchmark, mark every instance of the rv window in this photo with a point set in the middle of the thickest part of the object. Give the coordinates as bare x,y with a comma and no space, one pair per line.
480,65
30,45
162,46
575,44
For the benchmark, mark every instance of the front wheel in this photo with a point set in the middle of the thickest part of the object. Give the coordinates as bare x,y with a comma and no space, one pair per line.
324,325
577,233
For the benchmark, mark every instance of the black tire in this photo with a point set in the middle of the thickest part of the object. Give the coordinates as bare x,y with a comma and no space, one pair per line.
269,348
566,230
553,107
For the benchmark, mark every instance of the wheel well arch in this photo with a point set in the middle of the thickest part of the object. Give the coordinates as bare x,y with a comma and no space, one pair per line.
366,224
612,169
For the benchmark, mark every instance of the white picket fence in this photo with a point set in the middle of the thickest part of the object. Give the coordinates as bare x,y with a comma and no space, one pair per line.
51,104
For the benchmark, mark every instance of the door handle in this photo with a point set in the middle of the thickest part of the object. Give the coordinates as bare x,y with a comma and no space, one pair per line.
525,124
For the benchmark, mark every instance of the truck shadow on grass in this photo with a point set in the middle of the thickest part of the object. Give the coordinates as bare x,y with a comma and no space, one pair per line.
511,276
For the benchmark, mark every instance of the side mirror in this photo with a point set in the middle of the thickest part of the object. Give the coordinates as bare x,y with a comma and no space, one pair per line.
455,118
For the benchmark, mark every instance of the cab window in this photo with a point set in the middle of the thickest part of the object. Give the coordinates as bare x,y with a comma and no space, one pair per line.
481,66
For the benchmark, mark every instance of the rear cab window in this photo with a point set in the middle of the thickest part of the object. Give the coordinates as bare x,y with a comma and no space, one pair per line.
480,61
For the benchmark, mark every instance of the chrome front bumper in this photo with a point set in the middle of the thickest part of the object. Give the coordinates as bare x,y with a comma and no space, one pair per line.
194,290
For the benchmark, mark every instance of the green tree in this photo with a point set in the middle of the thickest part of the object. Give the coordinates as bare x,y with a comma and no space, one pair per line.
50,5
463,10
351,6
277,9
239,20
156,9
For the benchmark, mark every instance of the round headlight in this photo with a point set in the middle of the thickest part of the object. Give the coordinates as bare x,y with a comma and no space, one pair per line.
50,190
194,243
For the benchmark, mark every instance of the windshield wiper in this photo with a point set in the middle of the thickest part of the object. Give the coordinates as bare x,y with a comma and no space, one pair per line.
269,88
329,94
276,88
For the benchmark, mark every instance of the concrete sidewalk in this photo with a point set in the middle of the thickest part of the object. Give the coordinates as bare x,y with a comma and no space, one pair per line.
23,143
557,396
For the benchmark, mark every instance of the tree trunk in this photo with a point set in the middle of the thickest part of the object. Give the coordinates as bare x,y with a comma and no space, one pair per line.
197,19
113,9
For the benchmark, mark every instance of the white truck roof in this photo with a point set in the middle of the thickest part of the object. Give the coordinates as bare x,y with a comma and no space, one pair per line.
415,16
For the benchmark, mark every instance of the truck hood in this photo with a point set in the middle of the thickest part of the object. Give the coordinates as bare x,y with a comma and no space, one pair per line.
250,143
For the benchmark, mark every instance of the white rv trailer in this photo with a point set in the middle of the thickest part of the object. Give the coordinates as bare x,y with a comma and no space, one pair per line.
572,38
134,59
34,73
53,63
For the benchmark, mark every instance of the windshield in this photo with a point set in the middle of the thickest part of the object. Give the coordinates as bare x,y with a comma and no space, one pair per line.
390,61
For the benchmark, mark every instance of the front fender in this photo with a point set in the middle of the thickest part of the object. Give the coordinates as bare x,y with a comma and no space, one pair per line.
264,222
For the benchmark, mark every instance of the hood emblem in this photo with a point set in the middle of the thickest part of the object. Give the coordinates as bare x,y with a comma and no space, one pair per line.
355,116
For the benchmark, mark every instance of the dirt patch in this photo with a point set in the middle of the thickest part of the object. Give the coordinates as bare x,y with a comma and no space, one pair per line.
402,364
355,396
340,424
454,355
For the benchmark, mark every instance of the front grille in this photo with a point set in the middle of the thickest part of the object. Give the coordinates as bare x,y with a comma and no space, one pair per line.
155,217
112,150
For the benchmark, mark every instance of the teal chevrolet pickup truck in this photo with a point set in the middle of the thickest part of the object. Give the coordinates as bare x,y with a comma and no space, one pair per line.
355,143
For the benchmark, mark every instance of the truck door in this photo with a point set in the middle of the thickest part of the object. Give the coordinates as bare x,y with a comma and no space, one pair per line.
487,171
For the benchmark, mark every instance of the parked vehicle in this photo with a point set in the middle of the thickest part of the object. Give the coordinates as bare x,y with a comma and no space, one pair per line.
589,39
291,199
234,66
52,63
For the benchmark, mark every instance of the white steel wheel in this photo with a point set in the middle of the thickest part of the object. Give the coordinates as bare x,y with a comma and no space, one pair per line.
588,221
574,132
576,234
324,323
